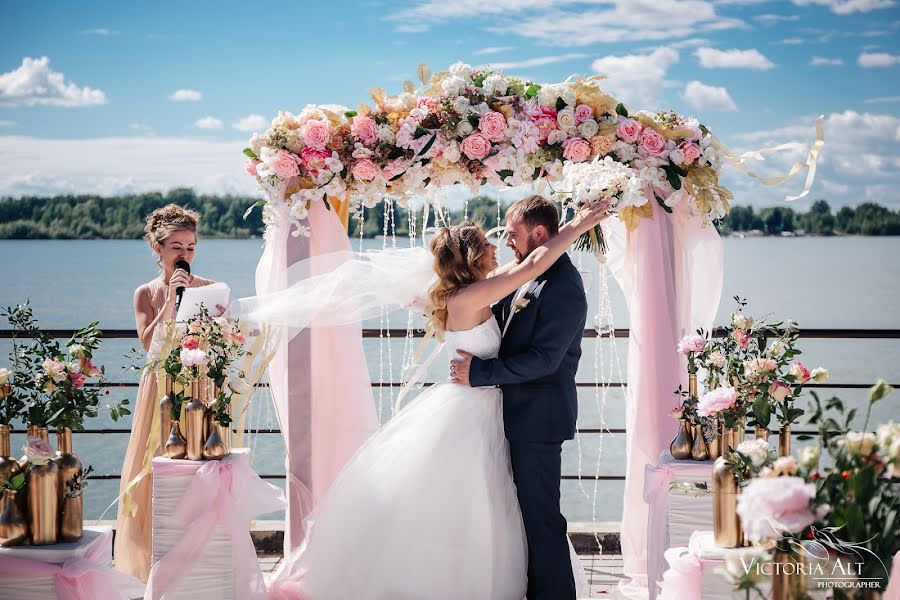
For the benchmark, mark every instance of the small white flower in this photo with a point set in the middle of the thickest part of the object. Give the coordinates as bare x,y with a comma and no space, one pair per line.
4,375
556,136
386,134
450,153
77,351
757,450
461,105
453,86
521,304
300,230
818,375
461,70
858,443
495,84
809,457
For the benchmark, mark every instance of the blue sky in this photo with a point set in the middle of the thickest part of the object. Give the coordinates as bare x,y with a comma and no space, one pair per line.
112,97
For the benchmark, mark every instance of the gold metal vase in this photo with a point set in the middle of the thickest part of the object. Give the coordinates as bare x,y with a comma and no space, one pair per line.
195,423
9,466
176,445
715,446
165,414
38,432
214,448
784,441
13,526
43,503
700,449
71,508
680,448
788,576
762,433
727,531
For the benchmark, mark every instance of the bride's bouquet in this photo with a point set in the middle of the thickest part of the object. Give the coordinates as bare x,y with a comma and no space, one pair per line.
589,183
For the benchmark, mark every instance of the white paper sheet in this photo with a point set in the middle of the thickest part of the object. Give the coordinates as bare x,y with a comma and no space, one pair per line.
208,295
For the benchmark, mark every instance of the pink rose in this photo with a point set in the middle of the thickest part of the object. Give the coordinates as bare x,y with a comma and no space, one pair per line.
545,121
691,343
799,372
250,166
690,151
365,129
237,336
476,146
315,134
779,391
285,165
365,170
651,143
77,378
314,160
493,125
715,401
741,337
190,343
432,104
629,130
576,149
89,369
583,112
37,451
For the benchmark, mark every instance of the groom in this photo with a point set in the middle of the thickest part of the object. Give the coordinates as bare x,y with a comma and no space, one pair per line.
542,324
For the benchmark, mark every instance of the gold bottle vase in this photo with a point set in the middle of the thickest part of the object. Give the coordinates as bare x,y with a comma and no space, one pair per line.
715,446
700,449
727,530
215,447
13,526
195,423
762,433
789,579
176,445
165,414
8,465
784,441
43,503
38,432
680,448
71,502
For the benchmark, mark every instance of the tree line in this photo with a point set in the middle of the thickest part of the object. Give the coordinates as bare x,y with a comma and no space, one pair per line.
123,217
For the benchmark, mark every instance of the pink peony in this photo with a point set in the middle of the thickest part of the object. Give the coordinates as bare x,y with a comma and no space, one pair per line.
190,343
285,165
365,170
493,126
690,151
651,143
691,343
576,149
583,112
314,160
715,401
476,146
77,378
629,130
37,451
779,391
799,372
250,166
432,104
741,337
545,121
193,358
770,506
365,128
315,134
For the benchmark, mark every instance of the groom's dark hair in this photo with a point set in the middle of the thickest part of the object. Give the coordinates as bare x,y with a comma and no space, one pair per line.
535,210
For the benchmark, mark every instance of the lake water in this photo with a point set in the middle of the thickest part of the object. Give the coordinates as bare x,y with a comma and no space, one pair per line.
820,282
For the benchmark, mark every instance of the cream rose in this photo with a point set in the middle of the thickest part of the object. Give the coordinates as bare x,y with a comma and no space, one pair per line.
588,129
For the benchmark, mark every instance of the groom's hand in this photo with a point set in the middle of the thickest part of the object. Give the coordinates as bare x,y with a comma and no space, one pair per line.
459,368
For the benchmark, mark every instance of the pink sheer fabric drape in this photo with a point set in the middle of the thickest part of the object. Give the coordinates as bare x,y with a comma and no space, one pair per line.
670,269
319,380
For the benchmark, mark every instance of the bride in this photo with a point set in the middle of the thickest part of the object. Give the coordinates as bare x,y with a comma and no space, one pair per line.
427,507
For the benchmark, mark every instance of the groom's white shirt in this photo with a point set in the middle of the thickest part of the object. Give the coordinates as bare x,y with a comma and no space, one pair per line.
527,287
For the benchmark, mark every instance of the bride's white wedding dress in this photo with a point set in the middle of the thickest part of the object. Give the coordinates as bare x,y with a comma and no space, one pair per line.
427,508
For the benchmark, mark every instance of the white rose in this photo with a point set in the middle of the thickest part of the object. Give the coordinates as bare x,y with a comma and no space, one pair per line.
588,129
566,118
464,128
858,443
785,465
4,376
887,433
741,321
556,136
239,385
461,70
818,375
461,105
809,457
495,85
624,151
568,95
450,153
76,351
757,450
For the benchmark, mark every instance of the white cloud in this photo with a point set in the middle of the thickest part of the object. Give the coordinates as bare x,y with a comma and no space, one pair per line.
845,7
208,123
186,96
771,19
51,166
878,59
708,97
101,32
251,123
34,83
882,100
492,50
538,61
142,127
7,123
411,28
818,61
637,79
712,58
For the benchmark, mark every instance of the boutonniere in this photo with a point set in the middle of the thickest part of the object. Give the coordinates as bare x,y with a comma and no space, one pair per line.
521,304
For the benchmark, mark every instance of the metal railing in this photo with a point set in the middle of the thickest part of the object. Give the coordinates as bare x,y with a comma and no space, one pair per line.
396,334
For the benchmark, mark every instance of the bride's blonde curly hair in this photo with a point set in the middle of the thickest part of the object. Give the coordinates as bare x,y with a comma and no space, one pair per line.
163,222
457,251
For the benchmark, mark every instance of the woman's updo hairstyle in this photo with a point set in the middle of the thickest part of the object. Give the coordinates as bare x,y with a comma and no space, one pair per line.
457,252
163,222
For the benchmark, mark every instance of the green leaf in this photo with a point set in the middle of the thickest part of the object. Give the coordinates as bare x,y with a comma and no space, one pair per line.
762,410
621,110
420,131
532,90
473,121
504,173
250,153
703,129
662,203
327,204
672,176
560,104
350,114
428,146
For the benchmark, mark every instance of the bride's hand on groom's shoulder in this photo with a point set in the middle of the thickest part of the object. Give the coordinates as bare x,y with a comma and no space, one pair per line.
589,217
459,368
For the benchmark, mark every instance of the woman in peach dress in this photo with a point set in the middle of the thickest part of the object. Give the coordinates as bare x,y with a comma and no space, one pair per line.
172,234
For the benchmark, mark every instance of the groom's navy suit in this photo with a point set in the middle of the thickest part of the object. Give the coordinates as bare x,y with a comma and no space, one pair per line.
536,370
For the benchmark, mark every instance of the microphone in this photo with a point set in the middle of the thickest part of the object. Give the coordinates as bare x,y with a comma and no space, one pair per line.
179,291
